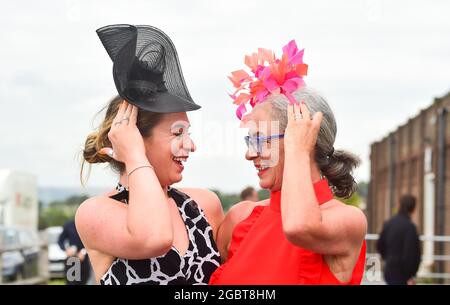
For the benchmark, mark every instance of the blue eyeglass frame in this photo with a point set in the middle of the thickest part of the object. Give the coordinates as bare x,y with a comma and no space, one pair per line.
259,141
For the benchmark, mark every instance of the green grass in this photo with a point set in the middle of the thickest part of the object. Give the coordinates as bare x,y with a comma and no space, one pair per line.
56,282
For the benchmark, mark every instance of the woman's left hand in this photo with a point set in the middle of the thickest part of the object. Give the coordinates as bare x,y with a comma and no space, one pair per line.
302,130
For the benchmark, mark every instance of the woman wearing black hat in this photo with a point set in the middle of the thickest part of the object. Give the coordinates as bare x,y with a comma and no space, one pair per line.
146,232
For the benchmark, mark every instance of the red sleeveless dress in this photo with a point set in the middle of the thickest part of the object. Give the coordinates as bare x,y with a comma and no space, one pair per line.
260,254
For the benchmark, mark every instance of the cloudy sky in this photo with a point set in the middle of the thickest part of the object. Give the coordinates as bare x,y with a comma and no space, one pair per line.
377,62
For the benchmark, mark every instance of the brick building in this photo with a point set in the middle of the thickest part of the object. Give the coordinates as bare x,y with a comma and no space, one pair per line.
415,159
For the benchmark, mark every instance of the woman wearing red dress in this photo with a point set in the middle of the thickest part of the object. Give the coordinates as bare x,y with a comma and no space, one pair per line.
302,234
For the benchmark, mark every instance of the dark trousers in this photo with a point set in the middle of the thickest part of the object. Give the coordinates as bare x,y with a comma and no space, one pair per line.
393,278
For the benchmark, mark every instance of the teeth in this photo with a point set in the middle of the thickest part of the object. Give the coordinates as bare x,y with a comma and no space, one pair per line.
179,159
260,168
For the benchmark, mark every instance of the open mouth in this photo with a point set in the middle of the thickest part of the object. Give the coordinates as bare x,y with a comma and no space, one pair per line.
180,160
261,168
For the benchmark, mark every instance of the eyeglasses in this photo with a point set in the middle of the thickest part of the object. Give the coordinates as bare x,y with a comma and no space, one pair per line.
257,142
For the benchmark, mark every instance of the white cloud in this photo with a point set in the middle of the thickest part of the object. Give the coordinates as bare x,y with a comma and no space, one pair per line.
377,62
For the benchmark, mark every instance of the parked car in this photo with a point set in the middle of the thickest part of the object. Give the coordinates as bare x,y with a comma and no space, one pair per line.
56,256
20,253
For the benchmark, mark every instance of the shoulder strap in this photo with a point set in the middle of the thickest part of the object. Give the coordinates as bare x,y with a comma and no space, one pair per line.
181,198
121,196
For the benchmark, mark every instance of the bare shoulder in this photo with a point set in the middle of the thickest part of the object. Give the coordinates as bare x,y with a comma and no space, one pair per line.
92,214
207,199
355,219
92,204
241,211
86,211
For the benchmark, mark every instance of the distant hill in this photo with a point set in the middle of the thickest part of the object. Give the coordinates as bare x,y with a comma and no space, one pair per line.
50,194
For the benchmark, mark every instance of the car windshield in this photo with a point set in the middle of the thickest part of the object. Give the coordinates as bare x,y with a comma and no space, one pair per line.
53,237
9,237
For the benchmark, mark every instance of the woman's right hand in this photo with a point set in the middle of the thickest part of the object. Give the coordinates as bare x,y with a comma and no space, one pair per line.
127,142
134,230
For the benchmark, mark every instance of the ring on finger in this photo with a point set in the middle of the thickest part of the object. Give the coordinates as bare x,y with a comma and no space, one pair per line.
298,116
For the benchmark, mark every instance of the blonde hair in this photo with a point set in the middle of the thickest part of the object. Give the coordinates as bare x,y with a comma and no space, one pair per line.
98,139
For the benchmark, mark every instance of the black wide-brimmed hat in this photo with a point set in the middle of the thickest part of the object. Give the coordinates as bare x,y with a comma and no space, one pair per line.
146,68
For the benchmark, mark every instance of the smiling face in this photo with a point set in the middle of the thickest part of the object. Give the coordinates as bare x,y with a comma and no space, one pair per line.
269,163
169,146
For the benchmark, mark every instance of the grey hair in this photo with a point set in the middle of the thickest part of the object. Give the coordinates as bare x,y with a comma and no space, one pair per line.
336,165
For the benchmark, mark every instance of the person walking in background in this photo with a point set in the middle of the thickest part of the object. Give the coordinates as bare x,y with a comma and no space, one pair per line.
250,194
70,242
399,245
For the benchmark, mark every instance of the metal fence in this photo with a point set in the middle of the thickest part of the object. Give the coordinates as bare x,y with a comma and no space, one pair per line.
373,274
425,274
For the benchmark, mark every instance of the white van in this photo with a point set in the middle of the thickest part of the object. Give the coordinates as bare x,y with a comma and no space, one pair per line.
19,205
